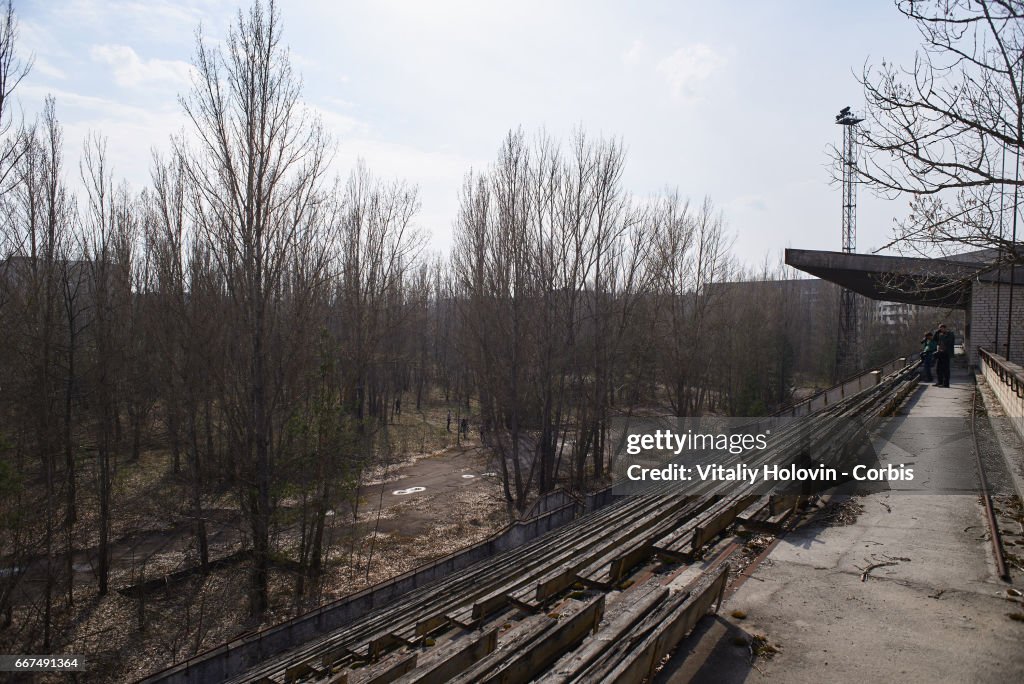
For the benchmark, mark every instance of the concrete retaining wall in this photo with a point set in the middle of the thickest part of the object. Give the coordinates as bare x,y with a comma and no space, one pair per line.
549,502
1007,382
851,386
599,499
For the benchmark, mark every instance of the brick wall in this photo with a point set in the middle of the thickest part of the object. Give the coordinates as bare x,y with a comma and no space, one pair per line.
989,328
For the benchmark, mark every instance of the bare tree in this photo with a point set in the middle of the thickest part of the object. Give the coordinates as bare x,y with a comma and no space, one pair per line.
549,258
948,130
491,262
186,337
13,70
35,275
109,246
691,252
379,246
254,168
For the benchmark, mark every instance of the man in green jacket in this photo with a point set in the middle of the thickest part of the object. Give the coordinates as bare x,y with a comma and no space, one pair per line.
928,347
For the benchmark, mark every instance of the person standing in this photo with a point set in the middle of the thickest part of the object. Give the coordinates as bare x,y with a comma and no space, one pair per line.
928,356
943,354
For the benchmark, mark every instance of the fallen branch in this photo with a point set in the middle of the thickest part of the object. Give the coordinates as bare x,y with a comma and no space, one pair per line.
874,566
169,580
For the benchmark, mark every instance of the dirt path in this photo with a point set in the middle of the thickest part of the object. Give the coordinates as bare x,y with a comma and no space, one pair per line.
416,495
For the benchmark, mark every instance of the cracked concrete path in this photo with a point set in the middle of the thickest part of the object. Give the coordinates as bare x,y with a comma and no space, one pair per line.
934,612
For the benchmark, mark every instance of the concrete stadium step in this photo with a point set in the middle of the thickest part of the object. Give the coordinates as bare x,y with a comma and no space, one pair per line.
541,641
476,580
633,656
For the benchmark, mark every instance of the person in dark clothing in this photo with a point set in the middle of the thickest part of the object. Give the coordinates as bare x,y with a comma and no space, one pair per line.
943,354
927,357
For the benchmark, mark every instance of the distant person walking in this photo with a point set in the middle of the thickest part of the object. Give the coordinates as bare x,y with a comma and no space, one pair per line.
944,340
928,347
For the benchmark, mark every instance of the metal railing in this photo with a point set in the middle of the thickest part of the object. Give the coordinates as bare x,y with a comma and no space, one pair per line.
1009,374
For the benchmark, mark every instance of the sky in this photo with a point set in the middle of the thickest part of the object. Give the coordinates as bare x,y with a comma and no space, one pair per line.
731,100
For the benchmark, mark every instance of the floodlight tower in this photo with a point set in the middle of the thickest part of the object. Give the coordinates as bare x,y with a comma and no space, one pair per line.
848,348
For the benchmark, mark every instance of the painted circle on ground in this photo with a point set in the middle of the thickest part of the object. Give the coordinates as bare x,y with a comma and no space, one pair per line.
409,490
468,476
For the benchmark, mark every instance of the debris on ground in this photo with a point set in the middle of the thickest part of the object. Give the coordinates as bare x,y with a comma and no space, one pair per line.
841,512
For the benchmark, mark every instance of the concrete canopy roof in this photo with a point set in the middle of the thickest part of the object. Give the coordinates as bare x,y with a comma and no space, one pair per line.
912,280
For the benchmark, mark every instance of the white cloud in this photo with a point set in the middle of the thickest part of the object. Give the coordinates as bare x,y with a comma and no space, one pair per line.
92,104
35,38
750,202
152,20
417,165
130,70
45,68
635,53
336,124
688,67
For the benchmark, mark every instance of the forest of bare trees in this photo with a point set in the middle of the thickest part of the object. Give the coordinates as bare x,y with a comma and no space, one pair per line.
255,320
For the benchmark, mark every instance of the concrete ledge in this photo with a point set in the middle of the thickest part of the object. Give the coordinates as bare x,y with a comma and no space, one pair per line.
690,606
912,280
1006,380
847,388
